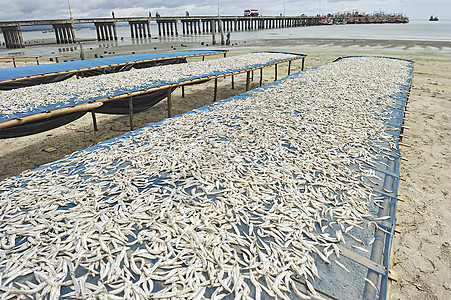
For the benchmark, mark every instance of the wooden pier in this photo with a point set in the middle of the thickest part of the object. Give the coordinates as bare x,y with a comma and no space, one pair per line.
140,26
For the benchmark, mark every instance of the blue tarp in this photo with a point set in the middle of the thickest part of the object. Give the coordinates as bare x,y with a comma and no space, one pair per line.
149,85
334,282
337,283
13,73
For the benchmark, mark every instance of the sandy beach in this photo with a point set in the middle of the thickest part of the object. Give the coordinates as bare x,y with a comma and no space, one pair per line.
422,251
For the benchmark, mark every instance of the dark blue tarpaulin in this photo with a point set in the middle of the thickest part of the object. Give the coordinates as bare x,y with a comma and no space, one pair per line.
149,85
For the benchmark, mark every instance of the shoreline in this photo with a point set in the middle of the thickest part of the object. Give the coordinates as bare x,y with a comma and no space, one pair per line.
185,39
93,49
422,251
178,39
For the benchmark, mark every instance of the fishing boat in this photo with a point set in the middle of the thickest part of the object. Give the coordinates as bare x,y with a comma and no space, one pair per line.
432,18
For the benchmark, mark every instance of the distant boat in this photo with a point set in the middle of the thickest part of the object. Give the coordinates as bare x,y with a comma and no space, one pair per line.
432,18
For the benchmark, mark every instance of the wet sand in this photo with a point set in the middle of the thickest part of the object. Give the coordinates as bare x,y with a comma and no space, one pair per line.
422,251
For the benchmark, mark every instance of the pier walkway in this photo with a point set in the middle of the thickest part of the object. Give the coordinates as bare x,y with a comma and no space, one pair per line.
140,26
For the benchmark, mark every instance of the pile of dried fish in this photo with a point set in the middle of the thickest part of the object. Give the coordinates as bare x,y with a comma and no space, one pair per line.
237,200
83,89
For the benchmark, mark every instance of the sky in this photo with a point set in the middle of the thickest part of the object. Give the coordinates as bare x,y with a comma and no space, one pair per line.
14,10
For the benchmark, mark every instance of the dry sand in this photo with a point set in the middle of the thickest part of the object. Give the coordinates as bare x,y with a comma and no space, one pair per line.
422,251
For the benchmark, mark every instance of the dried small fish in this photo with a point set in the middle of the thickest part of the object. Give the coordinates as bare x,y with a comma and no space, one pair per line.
105,85
209,202
342,266
370,283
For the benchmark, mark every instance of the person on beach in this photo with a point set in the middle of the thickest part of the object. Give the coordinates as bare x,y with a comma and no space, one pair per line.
187,13
228,38
157,15
150,14
112,13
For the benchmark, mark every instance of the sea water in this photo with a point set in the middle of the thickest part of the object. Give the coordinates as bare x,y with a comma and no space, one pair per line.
416,30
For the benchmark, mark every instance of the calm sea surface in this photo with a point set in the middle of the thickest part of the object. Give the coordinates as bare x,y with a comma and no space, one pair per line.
419,30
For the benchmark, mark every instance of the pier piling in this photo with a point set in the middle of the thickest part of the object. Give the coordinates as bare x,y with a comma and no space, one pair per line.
64,33
107,31
13,36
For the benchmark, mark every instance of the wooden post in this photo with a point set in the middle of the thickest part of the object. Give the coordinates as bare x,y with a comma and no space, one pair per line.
144,29
233,83
110,32
221,31
72,32
57,36
183,91
102,34
169,96
275,72
216,89
289,67
64,35
303,64
252,77
213,29
13,39
130,111
19,37
164,28
261,76
94,120
133,31
82,52
248,77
